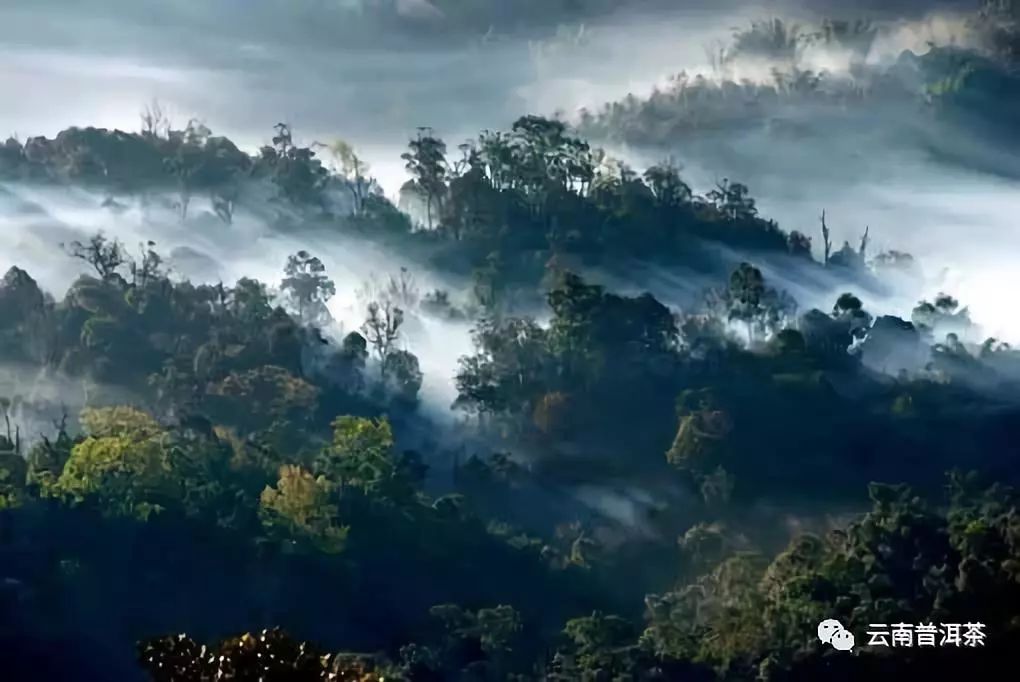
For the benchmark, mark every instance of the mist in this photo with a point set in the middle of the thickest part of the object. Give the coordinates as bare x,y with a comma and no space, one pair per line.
332,71
242,72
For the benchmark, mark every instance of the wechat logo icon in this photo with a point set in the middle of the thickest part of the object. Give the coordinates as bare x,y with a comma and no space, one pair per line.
832,632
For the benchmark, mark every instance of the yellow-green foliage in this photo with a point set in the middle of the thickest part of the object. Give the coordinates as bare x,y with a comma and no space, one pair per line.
122,464
361,453
302,506
373,437
119,421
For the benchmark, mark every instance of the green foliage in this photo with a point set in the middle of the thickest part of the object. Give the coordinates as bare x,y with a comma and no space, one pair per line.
596,344
508,370
46,459
187,517
304,507
601,647
129,465
299,176
259,398
901,562
494,628
122,465
361,457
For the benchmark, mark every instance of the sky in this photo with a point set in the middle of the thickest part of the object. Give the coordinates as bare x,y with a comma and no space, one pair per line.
243,66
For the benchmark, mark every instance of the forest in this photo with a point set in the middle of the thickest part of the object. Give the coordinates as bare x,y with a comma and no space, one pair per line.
221,480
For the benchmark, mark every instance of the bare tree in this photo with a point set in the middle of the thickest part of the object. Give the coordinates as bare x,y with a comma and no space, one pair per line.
400,290
826,240
12,441
864,243
403,290
382,328
155,121
223,200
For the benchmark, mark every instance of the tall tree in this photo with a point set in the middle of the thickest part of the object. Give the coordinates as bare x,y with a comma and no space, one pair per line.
425,160
308,287
354,170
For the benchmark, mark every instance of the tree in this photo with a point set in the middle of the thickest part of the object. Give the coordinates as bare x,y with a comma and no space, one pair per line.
122,464
426,162
487,633
308,287
403,373
509,370
361,458
249,302
46,459
403,290
299,176
850,309
13,471
265,397
382,328
156,122
130,465
799,244
747,299
187,161
544,161
103,255
771,39
667,186
599,647
489,288
354,171
941,316
149,268
826,242
733,200
302,507
702,444
591,327
903,561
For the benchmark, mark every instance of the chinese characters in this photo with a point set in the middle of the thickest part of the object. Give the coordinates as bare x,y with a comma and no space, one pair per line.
926,635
